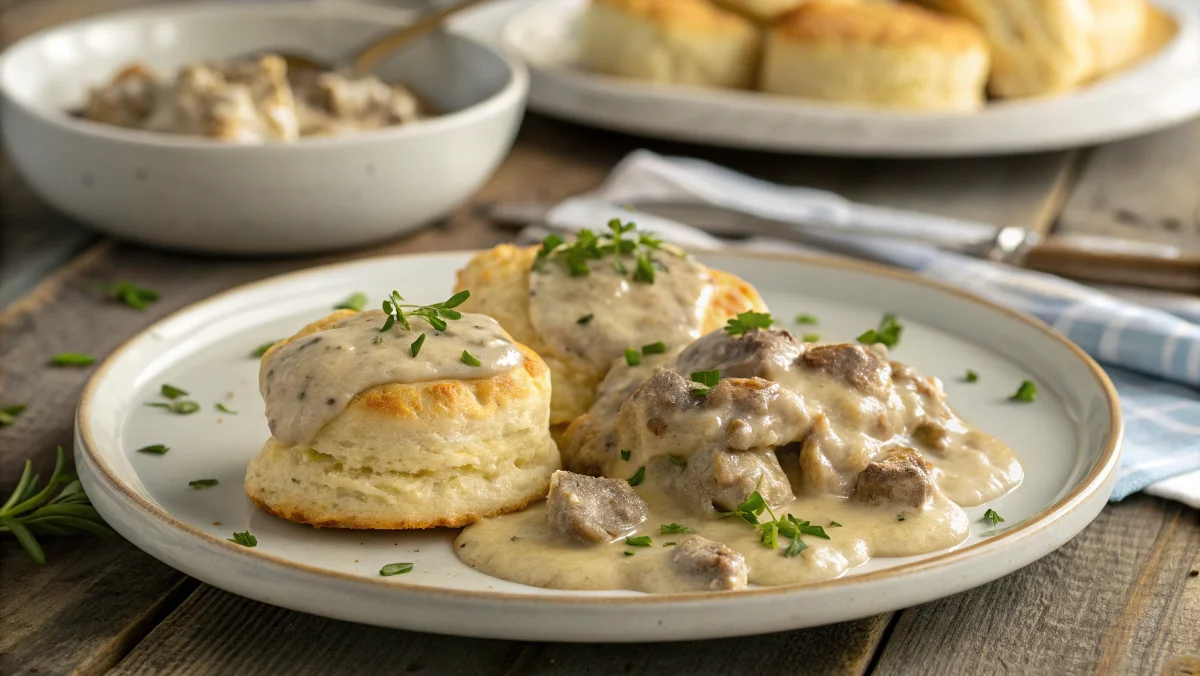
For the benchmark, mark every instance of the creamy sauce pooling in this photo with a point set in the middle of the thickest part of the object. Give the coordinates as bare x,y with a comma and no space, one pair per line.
309,381
624,313
828,433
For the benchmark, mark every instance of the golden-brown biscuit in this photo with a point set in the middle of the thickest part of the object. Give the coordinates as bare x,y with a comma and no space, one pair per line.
415,455
878,54
690,42
766,11
1119,33
1037,46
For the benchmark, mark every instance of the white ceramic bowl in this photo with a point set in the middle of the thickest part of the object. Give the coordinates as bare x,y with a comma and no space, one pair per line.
204,195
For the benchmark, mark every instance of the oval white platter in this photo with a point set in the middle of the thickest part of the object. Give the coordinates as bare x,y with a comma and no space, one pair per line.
1068,441
1161,90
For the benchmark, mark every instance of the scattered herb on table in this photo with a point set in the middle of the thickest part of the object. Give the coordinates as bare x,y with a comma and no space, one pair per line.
395,569
225,409
130,294
178,407
748,321
244,539
416,345
654,348
470,360
262,349
171,392
806,319
638,541
435,314
638,476
1025,393
888,332
8,414
633,357
992,517
672,528
72,359
154,449
357,301
202,483
971,377
29,513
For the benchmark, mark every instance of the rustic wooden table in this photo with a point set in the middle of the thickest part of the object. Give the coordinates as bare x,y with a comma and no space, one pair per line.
1122,597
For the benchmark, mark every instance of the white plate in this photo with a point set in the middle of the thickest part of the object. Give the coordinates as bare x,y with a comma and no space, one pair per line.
1068,440
1158,92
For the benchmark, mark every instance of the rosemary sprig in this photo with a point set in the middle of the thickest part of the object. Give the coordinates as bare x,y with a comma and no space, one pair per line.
435,314
29,513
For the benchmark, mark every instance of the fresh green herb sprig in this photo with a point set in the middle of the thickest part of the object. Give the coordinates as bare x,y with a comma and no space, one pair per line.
8,414
992,517
674,528
588,246
748,321
130,294
888,332
435,314
171,392
357,301
751,511
29,513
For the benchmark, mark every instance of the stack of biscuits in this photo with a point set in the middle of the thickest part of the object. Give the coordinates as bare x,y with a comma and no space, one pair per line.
938,55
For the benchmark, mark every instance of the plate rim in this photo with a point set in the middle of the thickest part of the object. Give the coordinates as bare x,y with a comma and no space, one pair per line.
1103,469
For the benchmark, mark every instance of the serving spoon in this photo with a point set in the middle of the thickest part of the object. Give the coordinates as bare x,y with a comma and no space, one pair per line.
367,57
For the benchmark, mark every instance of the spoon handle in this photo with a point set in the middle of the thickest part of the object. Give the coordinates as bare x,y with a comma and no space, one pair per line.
372,54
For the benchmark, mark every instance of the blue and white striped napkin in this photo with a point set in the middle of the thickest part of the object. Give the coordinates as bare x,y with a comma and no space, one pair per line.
1151,355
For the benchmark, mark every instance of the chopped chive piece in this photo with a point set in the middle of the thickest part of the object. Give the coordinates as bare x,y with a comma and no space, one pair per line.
72,359
179,407
130,294
806,319
673,528
670,544
834,524
638,476
638,541
971,376
654,348
748,321
900,517
1026,392
202,483
156,449
470,360
633,357
8,414
262,349
395,569
795,548
811,337
225,409
628,553
244,539
172,392
416,345
582,321
888,332
356,302
707,378
993,517
676,460
625,453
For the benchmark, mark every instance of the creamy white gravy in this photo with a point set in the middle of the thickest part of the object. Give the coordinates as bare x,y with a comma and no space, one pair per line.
623,313
309,381
798,422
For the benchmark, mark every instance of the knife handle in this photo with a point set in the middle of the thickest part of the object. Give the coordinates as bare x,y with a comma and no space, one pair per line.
1117,261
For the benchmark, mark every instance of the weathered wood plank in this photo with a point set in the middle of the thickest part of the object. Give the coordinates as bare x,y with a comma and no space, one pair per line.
1116,599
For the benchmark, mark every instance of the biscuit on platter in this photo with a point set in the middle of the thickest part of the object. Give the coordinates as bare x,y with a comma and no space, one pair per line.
878,54
1119,35
766,11
500,284
417,453
691,42
1037,46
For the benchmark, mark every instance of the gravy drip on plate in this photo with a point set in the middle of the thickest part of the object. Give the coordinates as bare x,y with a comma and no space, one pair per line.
624,313
831,434
309,381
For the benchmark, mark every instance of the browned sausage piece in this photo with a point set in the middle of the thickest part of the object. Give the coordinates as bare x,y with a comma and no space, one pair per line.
593,509
902,479
710,564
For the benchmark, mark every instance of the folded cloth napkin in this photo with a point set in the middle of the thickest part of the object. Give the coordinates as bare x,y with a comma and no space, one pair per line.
1151,355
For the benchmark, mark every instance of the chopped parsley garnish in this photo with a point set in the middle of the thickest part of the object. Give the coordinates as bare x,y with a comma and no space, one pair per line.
768,534
992,517
900,517
244,539
638,476
395,569
155,449
435,314
356,302
628,553
654,348
638,541
670,544
416,345
971,376
262,349
72,359
1026,392
748,321
795,548
811,337
130,294
834,524
625,453
225,409
8,414
202,483
806,319
676,460
171,392
588,246
178,407
673,528
888,332
582,321
769,531
633,357
707,378
469,360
